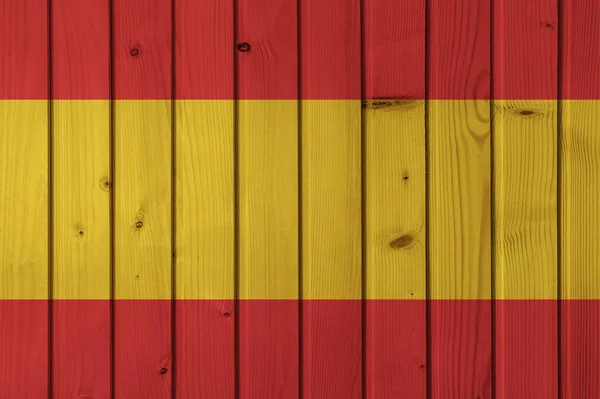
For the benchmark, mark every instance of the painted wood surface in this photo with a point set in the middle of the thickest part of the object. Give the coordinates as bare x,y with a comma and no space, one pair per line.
299,199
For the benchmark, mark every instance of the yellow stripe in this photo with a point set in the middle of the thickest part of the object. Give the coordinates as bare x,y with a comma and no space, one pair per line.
460,205
525,199
23,199
81,199
580,190
331,199
143,199
395,199
205,195
525,157
268,184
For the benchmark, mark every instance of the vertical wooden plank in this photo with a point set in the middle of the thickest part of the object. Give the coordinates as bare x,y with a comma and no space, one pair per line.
460,203
81,171
525,186
204,133
394,136
580,188
142,144
331,199
267,89
24,199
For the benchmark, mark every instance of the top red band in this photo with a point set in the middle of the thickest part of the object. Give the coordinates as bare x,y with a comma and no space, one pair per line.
315,51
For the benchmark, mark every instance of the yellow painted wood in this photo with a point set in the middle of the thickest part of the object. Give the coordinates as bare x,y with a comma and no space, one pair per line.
142,186
331,199
395,199
580,191
205,214
268,199
460,203
23,199
525,181
81,173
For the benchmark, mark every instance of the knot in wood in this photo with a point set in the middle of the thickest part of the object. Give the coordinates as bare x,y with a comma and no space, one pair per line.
401,242
244,47
139,224
163,371
134,52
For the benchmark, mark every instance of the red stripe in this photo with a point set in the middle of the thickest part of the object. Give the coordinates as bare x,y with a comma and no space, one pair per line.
142,49
581,53
394,45
330,52
23,49
526,349
332,349
396,349
525,49
205,363
460,49
269,344
142,349
23,349
461,349
80,49
580,349
269,70
204,58
81,349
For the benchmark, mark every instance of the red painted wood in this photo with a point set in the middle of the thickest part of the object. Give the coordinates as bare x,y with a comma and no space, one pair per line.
580,50
526,349
142,349
394,45
24,349
269,70
23,49
268,349
80,49
459,49
330,49
205,362
461,349
142,49
396,363
332,349
580,348
81,349
525,49
204,49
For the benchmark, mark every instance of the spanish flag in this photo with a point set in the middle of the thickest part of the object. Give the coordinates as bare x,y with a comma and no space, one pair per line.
299,199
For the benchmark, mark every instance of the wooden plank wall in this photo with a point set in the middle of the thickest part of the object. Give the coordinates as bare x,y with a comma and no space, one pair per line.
299,199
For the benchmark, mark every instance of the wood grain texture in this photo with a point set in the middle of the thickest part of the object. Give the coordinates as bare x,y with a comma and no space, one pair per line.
580,51
205,199
580,215
81,271
24,179
394,136
525,179
331,199
268,199
205,194
24,49
204,49
525,186
142,208
204,246
525,50
460,244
